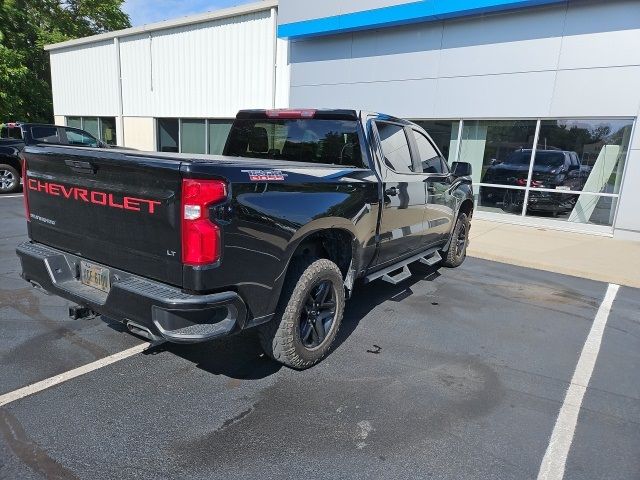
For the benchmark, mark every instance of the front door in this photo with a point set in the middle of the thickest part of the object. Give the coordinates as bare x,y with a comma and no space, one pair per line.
404,195
441,204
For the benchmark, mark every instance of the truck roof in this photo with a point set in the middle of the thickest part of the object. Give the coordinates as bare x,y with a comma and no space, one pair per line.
318,113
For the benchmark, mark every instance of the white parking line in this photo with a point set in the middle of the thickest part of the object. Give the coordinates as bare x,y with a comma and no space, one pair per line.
76,372
555,458
12,196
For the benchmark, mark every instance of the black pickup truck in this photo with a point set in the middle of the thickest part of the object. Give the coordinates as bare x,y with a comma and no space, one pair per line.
12,143
273,234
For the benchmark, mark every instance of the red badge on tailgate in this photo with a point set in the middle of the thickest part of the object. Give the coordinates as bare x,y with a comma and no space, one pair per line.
265,175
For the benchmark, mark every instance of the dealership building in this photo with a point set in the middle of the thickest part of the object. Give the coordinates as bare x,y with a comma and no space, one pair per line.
527,91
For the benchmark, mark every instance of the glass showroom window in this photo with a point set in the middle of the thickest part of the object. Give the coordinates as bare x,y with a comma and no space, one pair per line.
102,128
168,135
218,133
500,153
444,134
193,135
586,156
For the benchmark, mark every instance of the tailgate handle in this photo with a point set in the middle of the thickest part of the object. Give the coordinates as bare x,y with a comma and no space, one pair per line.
79,166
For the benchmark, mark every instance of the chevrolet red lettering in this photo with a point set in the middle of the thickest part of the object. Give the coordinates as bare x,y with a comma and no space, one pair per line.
93,196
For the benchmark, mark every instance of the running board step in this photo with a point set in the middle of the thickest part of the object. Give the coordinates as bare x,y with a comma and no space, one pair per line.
431,260
397,278
429,257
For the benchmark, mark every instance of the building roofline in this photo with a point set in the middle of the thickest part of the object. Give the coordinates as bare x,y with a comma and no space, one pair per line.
167,24
401,14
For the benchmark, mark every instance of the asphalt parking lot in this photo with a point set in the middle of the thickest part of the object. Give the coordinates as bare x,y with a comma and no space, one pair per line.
452,374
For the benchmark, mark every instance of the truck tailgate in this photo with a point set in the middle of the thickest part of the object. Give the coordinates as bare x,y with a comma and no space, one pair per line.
112,207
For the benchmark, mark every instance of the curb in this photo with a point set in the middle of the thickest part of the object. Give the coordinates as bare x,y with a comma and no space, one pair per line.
575,272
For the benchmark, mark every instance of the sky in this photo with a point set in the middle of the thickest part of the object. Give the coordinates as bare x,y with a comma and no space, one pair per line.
149,11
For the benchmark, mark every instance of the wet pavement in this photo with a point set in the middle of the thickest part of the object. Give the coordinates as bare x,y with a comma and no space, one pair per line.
451,374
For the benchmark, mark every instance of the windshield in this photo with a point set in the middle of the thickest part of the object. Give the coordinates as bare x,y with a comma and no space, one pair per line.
519,157
549,159
300,140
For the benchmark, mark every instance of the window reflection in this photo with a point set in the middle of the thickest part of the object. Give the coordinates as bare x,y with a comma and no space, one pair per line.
498,150
589,155
500,200
570,207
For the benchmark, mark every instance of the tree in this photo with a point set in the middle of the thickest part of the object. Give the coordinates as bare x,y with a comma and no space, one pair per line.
26,26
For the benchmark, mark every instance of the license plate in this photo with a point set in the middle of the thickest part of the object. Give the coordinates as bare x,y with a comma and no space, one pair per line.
95,276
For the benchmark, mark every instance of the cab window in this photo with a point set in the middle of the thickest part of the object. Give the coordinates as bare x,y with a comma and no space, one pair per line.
395,147
430,159
10,131
77,137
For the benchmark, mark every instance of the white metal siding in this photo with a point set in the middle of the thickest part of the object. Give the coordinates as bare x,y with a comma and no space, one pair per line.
578,59
85,81
210,69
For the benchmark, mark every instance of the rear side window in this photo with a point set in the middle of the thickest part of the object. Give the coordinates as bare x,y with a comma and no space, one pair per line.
11,132
297,140
395,147
76,137
429,157
45,134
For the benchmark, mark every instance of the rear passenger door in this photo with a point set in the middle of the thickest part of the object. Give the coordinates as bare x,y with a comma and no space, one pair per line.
441,204
404,194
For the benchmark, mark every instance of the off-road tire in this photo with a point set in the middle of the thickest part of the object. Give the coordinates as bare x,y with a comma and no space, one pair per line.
16,175
280,338
454,256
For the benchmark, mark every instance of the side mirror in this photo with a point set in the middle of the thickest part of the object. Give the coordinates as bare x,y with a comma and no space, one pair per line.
461,169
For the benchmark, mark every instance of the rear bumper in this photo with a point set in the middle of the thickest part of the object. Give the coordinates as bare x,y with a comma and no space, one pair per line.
166,311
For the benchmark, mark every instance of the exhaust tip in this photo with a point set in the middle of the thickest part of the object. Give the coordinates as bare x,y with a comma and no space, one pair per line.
142,331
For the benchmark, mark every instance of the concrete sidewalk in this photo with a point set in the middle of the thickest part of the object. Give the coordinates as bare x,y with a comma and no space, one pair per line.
588,256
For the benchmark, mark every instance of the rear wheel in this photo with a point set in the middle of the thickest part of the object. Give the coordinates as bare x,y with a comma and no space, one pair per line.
9,179
457,251
308,316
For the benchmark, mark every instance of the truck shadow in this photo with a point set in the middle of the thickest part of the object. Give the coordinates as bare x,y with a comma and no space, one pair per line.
238,357
367,297
241,357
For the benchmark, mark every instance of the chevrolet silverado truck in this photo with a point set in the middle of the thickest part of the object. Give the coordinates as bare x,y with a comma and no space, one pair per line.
274,234
12,143
553,169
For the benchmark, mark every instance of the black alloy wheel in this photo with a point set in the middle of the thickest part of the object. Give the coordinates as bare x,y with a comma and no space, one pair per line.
318,314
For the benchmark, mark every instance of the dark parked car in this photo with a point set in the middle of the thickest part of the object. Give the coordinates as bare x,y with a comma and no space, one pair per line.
12,143
273,235
553,170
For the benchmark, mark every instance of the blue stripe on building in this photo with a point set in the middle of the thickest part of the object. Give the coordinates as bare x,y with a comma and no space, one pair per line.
422,11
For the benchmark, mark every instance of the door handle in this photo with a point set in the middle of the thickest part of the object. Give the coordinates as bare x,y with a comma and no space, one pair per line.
391,191
80,166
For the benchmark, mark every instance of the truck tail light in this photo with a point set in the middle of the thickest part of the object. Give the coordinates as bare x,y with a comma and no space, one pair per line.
25,190
200,236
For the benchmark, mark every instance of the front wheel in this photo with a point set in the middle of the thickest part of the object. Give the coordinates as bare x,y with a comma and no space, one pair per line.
308,315
457,251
